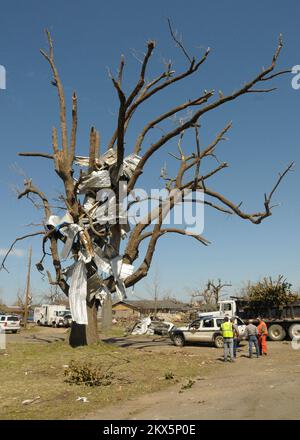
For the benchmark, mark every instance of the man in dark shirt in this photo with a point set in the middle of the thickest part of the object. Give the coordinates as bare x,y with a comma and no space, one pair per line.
251,333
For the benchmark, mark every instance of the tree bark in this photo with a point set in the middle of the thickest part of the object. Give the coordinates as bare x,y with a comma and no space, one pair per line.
82,334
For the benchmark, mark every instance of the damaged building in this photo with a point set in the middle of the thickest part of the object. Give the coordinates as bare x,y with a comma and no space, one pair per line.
138,308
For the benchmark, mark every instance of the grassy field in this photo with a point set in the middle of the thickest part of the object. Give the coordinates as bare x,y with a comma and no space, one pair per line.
30,370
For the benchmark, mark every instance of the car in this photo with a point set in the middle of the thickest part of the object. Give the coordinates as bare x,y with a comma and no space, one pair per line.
204,329
65,321
10,323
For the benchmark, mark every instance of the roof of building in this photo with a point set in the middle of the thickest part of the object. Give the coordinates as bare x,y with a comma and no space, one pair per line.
12,309
169,304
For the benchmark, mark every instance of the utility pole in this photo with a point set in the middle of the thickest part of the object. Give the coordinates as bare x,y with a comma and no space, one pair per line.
155,297
27,288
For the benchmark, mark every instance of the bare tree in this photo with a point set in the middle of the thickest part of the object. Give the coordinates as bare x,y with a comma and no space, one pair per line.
2,303
202,299
216,288
55,296
210,295
20,300
93,235
154,288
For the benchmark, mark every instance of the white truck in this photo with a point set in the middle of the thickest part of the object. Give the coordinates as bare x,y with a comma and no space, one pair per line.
281,320
226,307
203,329
50,315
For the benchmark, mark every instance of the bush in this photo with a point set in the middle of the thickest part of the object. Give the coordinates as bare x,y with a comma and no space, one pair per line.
169,375
87,374
188,385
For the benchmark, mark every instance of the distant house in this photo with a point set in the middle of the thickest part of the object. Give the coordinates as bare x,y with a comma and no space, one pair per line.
13,310
122,309
137,308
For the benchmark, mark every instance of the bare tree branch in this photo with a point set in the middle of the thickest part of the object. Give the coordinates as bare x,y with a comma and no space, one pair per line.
92,155
121,124
154,122
31,189
33,234
179,43
257,217
220,137
74,129
57,82
190,123
262,90
164,231
141,81
33,154
148,91
120,71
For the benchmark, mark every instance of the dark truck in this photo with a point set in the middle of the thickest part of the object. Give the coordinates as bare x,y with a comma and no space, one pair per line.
281,320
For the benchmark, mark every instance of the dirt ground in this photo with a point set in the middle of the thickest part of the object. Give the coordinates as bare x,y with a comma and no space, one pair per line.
37,334
33,366
264,388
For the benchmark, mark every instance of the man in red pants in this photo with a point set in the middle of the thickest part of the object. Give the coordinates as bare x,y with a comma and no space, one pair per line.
262,336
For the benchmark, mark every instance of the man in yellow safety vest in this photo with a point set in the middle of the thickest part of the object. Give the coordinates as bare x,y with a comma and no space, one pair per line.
227,333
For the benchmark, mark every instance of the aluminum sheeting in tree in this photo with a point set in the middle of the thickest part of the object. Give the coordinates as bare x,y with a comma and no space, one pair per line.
97,180
78,292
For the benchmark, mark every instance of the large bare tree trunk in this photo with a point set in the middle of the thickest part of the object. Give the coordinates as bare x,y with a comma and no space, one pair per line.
85,334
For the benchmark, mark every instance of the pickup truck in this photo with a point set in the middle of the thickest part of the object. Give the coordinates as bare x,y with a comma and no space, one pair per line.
204,329
280,320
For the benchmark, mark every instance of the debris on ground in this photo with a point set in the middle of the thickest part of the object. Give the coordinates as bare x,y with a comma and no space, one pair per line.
149,326
143,327
176,317
28,401
188,385
82,399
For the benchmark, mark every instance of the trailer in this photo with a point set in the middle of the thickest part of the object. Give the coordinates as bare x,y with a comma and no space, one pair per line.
50,315
281,321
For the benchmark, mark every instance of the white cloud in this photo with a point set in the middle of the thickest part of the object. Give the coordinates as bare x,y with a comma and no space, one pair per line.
19,253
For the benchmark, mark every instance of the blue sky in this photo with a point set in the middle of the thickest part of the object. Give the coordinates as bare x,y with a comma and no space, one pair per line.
89,37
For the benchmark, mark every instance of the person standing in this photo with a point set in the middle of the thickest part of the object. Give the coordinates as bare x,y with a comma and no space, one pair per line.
252,333
236,335
262,336
227,333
